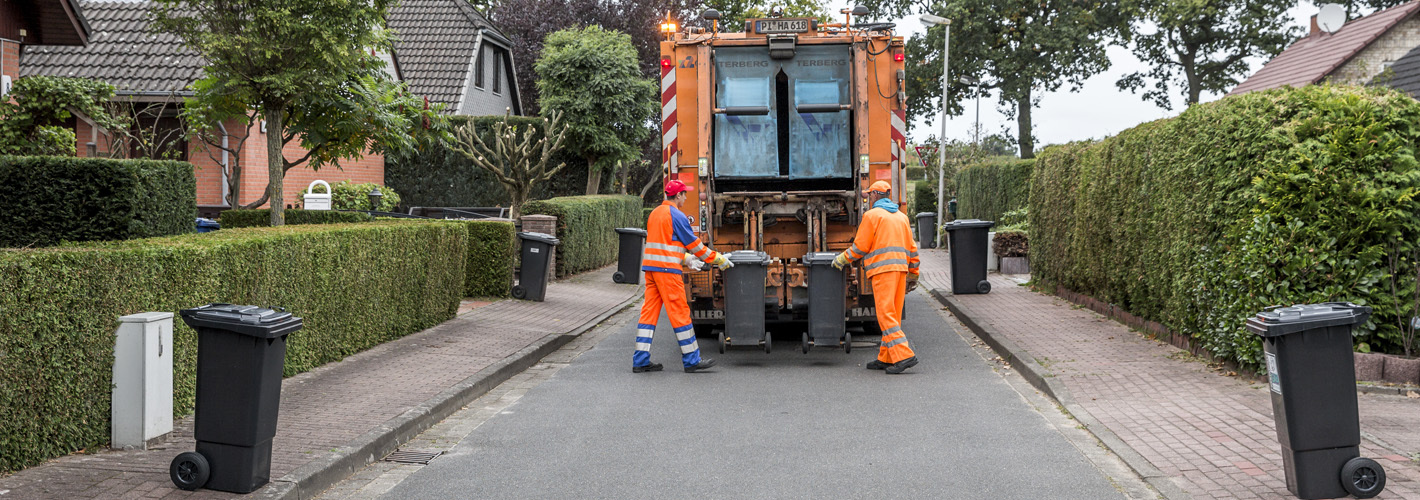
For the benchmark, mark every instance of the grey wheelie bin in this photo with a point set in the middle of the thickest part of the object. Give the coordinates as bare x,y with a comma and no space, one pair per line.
744,299
536,258
827,326
927,230
1312,378
968,247
628,257
240,353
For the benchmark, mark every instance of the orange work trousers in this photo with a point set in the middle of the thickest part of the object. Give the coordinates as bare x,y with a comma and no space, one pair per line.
665,289
889,290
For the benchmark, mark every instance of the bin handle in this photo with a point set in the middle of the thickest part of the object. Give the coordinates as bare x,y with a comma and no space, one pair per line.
1269,308
311,189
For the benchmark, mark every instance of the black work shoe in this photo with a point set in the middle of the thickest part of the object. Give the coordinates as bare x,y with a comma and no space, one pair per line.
878,365
704,364
902,366
653,367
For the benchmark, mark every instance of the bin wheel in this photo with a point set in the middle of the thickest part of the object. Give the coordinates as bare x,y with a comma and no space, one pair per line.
847,342
1363,477
190,471
618,277
805,342
519,292
722,341
768,342
983,287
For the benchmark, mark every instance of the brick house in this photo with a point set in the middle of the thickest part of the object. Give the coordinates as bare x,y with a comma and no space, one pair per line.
1365,50
445,50
36,22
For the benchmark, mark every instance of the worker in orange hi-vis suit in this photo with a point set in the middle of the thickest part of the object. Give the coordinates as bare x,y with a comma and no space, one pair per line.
884,243
669,243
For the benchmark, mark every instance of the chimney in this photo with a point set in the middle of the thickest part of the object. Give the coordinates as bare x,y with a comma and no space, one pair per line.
1316,28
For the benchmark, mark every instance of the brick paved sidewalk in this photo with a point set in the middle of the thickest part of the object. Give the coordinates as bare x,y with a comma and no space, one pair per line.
337,418
1185,427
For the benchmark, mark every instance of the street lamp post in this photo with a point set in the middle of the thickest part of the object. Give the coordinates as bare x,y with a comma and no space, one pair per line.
976,130
931,20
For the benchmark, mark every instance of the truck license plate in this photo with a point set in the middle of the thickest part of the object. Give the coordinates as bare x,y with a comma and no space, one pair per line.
782,26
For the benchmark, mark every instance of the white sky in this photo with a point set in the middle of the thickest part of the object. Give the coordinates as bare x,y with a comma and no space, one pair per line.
1098,110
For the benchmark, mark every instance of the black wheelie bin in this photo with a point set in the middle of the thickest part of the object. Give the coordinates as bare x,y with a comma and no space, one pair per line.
628,257
744,299
1312,379
827,306
240,354
536,257
927,230
968,243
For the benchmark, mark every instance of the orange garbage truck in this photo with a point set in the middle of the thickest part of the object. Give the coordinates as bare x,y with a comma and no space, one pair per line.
779,128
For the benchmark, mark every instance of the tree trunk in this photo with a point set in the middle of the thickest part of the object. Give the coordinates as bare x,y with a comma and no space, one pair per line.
655,176
275,164
1195,84
1023,127
594,176
518,197
624,169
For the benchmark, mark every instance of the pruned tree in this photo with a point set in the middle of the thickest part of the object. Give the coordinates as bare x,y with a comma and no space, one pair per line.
590,76
517,156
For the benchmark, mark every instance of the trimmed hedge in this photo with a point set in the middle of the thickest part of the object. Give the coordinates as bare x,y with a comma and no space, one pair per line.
492,248
988,190
355,285
232,219
916,173
50,199
440,177
924,198
1285,196
587,227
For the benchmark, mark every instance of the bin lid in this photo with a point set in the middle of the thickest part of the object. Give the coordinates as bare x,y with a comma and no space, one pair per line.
205,222
967,224
539,237
923,215
820,258
631,230
1280,321
260,322
741,257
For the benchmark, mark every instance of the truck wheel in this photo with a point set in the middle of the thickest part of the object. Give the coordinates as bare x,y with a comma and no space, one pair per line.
983,287
618,277
189,471
1363,477
721,338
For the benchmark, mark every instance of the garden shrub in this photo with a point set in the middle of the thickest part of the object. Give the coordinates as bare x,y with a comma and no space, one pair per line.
916,173
49,199
355,286
351,196
1011,244
1285,196
492,248
587,227
924,197
988,190
232,219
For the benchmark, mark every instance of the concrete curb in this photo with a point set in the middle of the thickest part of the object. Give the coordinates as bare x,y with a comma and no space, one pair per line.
1043,380
320,474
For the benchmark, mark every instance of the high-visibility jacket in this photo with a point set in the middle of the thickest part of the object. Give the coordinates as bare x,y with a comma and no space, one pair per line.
668,239
884,242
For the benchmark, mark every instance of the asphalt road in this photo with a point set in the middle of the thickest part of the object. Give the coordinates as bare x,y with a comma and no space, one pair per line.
780,425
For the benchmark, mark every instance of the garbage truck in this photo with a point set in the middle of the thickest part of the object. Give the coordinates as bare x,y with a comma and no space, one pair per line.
779,126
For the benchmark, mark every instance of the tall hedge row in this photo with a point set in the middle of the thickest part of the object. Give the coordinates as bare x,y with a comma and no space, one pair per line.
49,199
587,227
441,177
261,217
492,248
1277,197
987,190
356,286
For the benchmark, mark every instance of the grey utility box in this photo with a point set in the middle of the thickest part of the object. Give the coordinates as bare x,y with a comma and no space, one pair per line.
744,295
142,380
1312,379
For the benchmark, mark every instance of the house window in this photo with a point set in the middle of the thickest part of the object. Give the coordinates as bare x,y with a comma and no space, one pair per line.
478,69
498,71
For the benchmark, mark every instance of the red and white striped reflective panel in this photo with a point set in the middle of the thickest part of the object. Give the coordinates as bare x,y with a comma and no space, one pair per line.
669,146
899,149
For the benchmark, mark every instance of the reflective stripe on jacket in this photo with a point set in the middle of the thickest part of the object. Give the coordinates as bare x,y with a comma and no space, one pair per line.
884,242
668,239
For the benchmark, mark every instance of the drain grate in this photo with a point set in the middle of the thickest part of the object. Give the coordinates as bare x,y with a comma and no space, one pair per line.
412,456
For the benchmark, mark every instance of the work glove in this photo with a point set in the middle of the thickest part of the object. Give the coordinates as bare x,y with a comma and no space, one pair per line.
693,263
841,261
721,262
911,281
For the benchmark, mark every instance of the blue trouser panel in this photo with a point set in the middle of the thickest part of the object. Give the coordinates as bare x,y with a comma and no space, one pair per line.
642,355
689,349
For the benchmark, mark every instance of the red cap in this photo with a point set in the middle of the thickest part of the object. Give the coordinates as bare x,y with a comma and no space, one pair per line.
676,187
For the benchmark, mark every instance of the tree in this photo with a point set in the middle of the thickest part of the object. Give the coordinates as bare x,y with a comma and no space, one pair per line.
517,158
308,66
590,77
1202,45
1022,48
733,13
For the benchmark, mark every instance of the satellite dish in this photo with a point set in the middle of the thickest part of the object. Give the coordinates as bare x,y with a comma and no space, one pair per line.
1331,17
